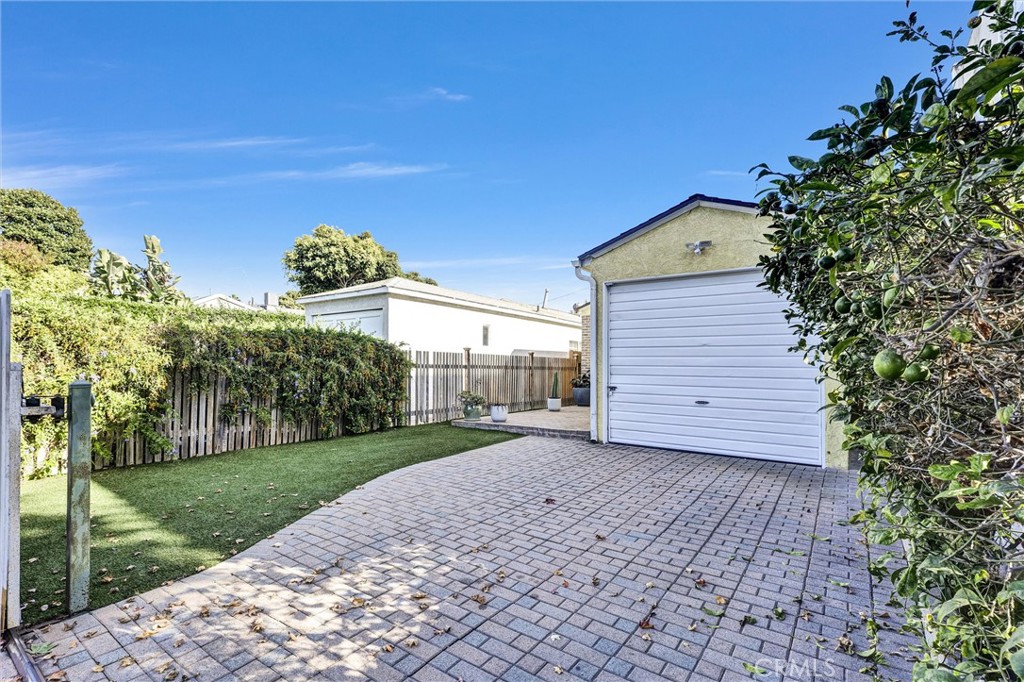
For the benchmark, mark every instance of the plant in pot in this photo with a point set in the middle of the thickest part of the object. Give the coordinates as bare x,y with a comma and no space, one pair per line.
581,390
471,403
499,410
555,400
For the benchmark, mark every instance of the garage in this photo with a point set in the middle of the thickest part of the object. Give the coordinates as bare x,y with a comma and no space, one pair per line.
367,321
701,363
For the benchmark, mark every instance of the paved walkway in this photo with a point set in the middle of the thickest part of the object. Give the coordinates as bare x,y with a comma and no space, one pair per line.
569,422
531,559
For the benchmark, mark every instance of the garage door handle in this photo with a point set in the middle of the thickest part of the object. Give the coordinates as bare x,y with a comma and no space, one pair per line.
702,402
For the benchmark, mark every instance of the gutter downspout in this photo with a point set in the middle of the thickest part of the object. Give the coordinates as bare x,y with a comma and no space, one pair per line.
587,277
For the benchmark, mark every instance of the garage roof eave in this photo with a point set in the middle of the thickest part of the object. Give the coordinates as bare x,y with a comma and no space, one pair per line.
687,205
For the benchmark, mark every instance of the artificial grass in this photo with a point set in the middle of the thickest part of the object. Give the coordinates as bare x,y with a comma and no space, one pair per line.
161,522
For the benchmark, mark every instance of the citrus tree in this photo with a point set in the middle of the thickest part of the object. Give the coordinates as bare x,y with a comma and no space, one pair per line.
901,251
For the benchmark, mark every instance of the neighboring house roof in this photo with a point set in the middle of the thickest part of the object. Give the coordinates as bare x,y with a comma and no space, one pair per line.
222,301
687,205
430,293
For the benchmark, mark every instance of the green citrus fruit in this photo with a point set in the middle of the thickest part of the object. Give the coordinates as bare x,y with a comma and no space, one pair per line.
914,373
929,352
889,364
855,307
890,296
826,262
872,308
844,254
843,305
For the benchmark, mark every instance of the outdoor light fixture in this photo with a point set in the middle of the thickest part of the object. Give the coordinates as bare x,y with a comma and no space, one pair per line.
698,247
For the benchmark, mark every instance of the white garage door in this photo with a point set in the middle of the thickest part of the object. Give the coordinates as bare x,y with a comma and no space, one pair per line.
700,363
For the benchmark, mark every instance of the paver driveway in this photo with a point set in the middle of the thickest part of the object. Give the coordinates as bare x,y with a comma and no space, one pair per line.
534,558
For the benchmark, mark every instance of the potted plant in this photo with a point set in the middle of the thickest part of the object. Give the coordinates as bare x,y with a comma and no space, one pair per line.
471,403
499,412
555,400
581,389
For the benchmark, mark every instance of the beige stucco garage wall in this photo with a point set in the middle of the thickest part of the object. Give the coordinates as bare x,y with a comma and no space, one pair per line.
738,241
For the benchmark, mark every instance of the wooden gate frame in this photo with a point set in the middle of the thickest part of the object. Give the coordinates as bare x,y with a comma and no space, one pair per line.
10,474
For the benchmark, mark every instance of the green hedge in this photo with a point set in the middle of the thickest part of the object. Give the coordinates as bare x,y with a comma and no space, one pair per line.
130,350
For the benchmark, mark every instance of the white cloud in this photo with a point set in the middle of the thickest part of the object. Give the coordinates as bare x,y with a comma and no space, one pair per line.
57,177
441,93
259,141
360,169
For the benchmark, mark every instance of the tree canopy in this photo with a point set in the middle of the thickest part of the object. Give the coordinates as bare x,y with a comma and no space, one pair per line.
28,215
901,252
330,259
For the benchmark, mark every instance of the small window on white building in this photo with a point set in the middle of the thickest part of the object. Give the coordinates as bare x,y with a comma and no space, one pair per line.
574,345
487,335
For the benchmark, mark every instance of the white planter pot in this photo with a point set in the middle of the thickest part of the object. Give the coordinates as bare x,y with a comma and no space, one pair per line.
499,413
554,404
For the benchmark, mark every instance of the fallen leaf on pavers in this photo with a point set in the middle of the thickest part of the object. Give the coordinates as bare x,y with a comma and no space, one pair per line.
599,537
59,676
90,634
41,649
819,538
128,618
700,582
204,612
339,609
717,613
595,581
70,626
558,571
412,643
163,667
721,601
232,604
646,637
816,597
257,626
649,586
145,634
358,602
754,670
486,587
748,620
641,599
250,611
549,500
844,644
646,624
779,613
443,631
806,615
479,599
424,606
555,637
558,670
388,648
97,668
565,583
692,626
126,662
171,676
178,643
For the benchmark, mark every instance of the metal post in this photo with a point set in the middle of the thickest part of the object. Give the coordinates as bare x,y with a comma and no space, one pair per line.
79,471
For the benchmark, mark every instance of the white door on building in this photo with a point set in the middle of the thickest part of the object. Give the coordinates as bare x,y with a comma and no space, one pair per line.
701,363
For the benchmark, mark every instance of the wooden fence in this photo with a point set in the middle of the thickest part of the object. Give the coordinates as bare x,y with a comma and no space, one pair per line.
195,428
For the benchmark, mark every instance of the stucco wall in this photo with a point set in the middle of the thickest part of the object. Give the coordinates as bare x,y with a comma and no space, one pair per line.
427,326
738,241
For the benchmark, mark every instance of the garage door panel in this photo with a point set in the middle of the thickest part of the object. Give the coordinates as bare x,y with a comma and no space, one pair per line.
718,446
716,339
801,425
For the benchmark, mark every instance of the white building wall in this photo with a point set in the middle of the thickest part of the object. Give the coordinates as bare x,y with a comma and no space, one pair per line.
428,326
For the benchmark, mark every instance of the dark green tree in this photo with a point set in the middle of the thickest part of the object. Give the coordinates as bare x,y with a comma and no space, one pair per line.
28,215
330,259
901,251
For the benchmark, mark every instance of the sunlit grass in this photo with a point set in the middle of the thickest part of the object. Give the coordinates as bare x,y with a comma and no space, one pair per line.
164,521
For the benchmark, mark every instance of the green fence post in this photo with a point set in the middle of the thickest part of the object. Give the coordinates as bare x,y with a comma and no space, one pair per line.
79,471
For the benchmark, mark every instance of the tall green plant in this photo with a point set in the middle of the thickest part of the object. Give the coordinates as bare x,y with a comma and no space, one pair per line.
554,387
901,251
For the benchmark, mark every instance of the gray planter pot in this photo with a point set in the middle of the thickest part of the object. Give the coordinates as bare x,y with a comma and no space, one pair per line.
471,414
581,396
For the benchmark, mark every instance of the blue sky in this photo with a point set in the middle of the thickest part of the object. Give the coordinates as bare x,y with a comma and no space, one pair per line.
488,144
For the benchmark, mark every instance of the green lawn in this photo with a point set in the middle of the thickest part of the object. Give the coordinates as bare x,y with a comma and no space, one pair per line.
164,521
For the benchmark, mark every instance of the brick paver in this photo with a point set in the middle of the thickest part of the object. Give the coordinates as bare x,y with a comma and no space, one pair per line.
531,559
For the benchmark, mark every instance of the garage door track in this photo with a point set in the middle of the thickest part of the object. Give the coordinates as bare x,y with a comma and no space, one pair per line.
531,559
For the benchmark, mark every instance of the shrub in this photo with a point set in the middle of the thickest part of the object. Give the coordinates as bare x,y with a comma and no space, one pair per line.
901,252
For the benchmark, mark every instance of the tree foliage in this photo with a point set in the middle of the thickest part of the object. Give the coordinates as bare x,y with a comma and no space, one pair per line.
115,276
330,259
901,251
28,215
